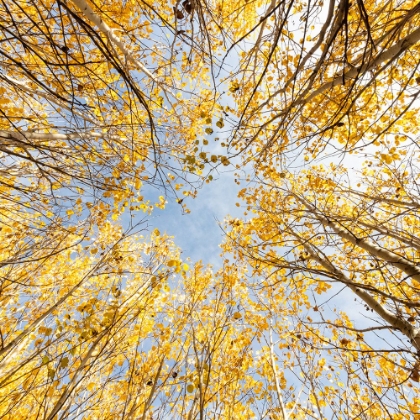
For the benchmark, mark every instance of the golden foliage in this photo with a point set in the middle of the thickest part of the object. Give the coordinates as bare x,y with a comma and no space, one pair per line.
316,107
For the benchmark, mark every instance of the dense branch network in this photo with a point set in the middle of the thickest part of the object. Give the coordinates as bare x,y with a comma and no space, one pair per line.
108,110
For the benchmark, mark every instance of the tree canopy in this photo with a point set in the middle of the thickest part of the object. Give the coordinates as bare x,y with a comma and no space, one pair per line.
313,310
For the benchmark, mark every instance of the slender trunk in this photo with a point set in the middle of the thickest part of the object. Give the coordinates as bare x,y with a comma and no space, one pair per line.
276,379
393,259
396,322
115,41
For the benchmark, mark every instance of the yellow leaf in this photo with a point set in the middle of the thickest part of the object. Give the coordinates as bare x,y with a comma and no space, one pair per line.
237,315
386,158
224,160
51,373
234,86
64,362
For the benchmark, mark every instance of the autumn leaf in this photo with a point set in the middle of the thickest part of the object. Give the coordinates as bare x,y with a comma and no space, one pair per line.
101,131
220,123
237,315
234,87
64,362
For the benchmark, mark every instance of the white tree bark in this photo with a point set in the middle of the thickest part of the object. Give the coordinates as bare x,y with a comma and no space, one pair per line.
393,259
15,137
49,97
399,323
75,378
412,242
276,379
115,41
387,55
13,349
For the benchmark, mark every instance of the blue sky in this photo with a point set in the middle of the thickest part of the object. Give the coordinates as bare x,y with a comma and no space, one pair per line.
198,233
